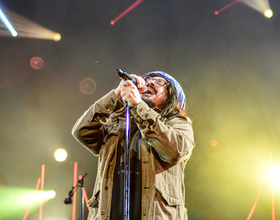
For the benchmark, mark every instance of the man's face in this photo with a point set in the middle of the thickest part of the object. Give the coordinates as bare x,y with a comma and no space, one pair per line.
156,93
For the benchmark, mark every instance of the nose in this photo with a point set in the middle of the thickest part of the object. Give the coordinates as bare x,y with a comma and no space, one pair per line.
149,81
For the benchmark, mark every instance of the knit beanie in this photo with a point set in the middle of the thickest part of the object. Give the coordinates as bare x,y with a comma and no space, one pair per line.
180,93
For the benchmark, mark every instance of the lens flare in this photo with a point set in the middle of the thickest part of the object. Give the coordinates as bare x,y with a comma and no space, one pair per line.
87,85
36,63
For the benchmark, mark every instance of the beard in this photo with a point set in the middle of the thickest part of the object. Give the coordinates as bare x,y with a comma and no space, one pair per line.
150,102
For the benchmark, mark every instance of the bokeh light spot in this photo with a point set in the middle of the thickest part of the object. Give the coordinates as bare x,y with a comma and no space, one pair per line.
213,143
87,85
60,154
36,63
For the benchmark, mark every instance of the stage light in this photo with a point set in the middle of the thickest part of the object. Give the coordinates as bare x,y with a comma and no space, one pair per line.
37,197
135,4
27,28
274,176
56,37
60,154
8,24
15,201
259,5
268,13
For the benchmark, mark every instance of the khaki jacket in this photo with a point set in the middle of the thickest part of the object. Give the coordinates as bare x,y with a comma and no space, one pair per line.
166,146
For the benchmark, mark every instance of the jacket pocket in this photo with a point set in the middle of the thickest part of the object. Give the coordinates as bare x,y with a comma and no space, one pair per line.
171,201
94,201
167,207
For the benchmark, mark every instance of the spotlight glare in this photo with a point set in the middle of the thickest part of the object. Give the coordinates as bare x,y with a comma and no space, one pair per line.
51,194
274,176
268,13
60,154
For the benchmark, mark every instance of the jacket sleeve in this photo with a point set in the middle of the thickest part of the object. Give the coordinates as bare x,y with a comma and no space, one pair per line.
88,129
172,139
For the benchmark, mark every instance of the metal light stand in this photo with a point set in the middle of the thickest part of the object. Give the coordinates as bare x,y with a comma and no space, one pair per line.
68,200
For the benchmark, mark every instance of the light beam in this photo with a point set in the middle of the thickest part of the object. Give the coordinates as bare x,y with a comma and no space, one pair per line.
7,23
126,11
27,28
15,201
225,7
259,5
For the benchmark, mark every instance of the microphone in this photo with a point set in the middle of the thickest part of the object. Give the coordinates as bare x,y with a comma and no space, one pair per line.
124,75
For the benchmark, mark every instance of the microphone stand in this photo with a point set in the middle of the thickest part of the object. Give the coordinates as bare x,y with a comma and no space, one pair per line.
125,76
68,200
126,166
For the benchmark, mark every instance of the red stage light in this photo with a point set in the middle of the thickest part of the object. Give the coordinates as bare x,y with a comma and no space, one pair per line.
126,11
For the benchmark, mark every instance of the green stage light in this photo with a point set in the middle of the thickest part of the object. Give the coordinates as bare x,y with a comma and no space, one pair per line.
36,197
15,201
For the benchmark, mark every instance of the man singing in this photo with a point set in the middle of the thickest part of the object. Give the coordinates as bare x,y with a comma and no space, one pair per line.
161,142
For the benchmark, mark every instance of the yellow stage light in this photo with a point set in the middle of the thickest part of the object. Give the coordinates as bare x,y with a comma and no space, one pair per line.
274,176
60,155
268,13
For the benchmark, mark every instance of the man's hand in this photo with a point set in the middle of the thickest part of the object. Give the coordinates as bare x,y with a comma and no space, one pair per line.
130,93
127,91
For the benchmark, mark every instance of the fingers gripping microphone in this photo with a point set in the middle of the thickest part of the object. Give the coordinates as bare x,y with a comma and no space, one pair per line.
125,76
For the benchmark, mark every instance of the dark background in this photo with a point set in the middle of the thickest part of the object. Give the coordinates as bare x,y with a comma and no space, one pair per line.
227,64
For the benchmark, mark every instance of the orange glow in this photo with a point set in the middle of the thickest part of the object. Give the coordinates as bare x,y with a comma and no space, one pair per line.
255,204
74,194
86,197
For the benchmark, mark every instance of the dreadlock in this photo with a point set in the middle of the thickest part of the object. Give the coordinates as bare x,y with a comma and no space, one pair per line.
170,108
